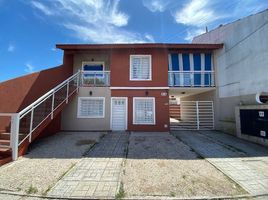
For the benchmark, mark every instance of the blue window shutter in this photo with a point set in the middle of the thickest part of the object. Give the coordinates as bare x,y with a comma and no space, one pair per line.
208,62
93,67
197,61
208,67
197,67
175,62
186,62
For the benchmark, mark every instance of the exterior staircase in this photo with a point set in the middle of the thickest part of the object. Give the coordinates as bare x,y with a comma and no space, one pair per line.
24,127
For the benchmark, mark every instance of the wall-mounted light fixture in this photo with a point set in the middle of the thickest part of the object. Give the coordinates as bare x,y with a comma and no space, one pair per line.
90,93
92,59
146,93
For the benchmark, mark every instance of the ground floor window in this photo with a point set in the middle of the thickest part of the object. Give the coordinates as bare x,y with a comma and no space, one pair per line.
143,110
91,107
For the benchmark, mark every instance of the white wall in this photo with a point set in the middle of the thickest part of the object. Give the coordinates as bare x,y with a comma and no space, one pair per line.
241,66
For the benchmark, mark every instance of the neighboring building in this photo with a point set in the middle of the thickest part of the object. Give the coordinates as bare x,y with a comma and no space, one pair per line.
241,73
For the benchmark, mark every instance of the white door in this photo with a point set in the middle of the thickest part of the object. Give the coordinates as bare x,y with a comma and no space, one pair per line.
119,113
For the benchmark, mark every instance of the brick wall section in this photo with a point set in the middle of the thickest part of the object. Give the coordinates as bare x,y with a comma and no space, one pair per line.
120,68
161,109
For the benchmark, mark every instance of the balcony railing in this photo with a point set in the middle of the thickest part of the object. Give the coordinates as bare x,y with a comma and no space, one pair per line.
95,78
191,78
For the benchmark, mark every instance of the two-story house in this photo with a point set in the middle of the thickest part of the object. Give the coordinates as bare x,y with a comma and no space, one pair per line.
128,86
101,87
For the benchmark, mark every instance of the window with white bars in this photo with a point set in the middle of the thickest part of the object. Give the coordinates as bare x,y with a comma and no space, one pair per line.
143,110
140,67
91,107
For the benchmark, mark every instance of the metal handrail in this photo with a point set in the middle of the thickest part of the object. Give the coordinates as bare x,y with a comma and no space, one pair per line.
48,93
95,78
16,117
187,78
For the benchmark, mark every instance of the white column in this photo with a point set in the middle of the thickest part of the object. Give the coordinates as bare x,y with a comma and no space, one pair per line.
202,69
15,125
181,69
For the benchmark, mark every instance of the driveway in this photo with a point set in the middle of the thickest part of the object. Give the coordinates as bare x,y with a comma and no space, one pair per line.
244,162
140,165
159,165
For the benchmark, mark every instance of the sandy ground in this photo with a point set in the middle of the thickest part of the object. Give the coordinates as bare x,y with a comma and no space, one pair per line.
47,161
160,165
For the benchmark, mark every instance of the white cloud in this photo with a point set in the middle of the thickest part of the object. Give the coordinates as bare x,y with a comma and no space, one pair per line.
96,21
149,37
42,7
191,34
29,68
156,5
11,48
196,13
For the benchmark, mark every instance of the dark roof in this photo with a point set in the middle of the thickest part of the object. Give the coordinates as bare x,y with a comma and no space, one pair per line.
138,45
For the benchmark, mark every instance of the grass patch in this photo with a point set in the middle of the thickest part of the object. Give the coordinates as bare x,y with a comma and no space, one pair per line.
31,190
121,193
172,194
63,174
47,190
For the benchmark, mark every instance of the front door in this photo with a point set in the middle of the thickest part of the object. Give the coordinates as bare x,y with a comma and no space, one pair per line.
119,113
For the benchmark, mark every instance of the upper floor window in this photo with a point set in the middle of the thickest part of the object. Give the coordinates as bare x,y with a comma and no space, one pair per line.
140,67
92,66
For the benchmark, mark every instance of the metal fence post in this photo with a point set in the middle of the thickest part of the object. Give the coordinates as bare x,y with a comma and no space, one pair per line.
197,115
52,105
15,125
67,93
77,81
31,125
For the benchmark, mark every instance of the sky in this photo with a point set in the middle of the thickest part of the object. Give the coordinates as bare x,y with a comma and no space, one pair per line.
30,29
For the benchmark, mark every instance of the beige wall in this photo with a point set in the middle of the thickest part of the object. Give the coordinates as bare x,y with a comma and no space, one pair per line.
89,56
70,122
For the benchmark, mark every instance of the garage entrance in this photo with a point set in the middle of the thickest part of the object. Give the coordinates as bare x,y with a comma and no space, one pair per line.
192,115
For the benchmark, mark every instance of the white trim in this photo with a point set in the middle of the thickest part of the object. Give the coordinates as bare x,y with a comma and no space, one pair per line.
130,67
126,106
133,111
93,63
139,88
92,117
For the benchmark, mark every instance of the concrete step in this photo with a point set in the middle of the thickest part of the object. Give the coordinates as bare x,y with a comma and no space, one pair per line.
4,136
4,142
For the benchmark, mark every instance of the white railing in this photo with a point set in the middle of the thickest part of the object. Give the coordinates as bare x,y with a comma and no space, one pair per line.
191,78
95,78
35,114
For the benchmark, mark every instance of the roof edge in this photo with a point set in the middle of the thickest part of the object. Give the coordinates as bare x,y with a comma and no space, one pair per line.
139,45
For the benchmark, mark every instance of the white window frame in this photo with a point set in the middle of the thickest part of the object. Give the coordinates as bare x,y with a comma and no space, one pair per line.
150,67
93,63
134,109
92,98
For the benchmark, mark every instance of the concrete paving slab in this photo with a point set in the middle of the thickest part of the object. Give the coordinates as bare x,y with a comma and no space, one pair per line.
244,162
98,174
